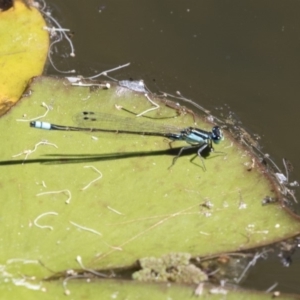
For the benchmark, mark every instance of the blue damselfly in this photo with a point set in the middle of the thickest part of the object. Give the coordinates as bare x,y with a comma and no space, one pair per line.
197,139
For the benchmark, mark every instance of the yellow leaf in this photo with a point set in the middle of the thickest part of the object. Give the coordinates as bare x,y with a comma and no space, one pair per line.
23,51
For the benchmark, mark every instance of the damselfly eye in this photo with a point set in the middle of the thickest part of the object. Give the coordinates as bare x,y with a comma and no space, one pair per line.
217,134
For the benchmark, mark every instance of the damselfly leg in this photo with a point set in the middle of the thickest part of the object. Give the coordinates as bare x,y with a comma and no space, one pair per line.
199,151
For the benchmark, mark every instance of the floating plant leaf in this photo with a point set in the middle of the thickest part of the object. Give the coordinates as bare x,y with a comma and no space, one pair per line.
23,51
138,207
119,289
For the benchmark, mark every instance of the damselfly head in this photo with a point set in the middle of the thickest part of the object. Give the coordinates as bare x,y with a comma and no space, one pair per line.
217,134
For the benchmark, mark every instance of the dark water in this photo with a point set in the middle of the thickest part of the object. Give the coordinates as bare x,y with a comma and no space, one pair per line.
244,55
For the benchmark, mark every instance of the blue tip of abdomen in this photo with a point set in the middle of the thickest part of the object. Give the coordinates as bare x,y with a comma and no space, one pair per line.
41,125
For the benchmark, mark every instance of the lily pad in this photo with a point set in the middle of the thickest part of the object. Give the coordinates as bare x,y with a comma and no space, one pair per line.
113,199
111,289
23,51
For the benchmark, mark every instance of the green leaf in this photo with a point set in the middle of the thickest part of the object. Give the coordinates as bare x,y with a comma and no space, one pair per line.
138,207
119,289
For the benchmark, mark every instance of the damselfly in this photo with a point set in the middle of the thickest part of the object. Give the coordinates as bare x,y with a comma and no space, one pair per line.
197,139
